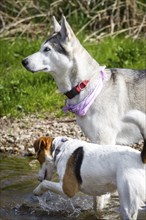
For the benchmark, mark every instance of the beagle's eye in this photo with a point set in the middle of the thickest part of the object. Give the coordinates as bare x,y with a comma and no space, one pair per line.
47,49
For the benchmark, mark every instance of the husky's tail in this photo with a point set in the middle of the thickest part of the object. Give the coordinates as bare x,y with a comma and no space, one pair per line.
138,118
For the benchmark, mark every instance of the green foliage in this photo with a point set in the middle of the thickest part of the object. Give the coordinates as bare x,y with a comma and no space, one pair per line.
120,53
22,92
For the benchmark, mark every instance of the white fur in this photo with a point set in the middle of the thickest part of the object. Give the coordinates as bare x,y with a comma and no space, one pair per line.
137,117
105,168
102,124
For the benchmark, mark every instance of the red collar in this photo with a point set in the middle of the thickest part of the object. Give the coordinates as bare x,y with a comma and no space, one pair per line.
77,89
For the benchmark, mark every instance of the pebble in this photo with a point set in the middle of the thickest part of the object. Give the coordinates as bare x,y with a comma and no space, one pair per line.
21,147
18,135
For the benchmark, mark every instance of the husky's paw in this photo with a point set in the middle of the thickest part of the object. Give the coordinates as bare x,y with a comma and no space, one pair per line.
101,201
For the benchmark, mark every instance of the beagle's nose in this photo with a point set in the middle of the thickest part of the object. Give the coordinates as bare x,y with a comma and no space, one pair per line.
25,62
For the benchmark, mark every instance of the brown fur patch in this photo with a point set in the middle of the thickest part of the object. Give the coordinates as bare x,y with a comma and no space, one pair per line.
70,183
42,148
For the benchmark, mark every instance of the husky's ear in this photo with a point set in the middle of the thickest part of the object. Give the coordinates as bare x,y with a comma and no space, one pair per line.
57,26
66,31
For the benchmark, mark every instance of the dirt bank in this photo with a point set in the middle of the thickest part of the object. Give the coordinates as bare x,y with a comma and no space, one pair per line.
17,135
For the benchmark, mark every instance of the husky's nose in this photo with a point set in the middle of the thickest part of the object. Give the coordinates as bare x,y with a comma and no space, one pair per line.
25,62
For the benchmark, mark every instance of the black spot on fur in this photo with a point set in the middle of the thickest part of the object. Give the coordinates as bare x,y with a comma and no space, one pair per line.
78,155
114,75
57,151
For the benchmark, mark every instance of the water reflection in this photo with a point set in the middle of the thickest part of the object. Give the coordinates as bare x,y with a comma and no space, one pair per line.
18,178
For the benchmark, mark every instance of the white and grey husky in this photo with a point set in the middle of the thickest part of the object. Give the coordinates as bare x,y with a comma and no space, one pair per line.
98,96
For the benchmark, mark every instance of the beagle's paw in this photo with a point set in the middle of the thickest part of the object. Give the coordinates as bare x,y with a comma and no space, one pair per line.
37,191
41,178
41,188
42,175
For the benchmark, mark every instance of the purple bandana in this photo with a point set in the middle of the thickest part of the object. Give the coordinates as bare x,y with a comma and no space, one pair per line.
82,107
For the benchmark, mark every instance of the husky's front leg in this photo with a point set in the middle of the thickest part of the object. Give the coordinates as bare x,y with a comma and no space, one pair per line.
99,202
46,185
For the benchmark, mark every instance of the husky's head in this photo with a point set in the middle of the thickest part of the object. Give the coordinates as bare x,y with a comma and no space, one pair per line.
56,52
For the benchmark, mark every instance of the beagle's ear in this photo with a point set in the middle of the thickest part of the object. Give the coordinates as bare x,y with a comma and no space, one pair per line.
36,145
39,144
42,144
57,26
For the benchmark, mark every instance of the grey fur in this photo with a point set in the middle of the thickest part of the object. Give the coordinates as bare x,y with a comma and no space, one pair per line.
124,90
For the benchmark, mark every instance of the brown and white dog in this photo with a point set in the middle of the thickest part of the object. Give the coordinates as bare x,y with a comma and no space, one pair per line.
95,169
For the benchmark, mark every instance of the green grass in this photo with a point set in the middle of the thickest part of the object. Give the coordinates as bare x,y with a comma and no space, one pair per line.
22,92
119,52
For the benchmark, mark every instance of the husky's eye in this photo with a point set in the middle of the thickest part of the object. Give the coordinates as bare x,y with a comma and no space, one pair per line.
46,49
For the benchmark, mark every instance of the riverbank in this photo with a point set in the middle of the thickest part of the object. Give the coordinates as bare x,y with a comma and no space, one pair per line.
18,135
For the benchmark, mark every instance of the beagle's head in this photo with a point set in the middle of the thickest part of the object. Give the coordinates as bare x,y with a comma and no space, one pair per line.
43,148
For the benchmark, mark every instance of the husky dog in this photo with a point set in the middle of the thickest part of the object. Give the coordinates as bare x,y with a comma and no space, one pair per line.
99,97
78,75
95,169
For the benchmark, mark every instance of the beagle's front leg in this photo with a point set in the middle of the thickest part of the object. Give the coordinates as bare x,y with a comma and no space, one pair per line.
46,185
42,173
46,171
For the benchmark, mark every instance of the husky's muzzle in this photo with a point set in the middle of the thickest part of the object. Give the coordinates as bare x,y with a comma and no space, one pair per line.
25,62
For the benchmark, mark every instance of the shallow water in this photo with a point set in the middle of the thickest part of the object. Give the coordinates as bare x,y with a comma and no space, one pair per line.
18,178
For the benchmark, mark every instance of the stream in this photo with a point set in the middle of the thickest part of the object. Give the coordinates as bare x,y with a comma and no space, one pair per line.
18,178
